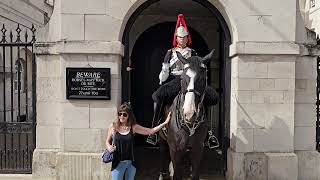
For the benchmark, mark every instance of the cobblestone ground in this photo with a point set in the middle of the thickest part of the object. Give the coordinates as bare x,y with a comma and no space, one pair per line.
148,165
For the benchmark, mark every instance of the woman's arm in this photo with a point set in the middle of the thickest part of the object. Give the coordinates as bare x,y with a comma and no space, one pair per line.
109,146
146,131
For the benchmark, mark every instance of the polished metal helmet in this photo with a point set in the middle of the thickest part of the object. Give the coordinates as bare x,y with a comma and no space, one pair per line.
181,31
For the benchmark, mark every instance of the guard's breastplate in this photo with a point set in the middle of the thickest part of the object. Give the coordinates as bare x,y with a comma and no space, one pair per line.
175,64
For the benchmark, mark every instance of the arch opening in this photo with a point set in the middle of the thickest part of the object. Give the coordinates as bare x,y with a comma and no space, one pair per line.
148,35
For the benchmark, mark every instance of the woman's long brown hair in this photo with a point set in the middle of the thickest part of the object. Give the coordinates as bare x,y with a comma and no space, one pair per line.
125,107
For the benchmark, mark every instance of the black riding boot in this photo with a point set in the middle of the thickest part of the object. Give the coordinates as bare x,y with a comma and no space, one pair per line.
153,138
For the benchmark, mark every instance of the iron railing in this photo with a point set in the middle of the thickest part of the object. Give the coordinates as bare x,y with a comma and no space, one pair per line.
318,106
17,100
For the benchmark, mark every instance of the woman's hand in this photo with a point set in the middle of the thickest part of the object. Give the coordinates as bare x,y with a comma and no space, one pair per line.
147,131
168,118
111,148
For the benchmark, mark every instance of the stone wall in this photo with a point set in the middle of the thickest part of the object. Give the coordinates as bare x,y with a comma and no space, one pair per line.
77,126
269,78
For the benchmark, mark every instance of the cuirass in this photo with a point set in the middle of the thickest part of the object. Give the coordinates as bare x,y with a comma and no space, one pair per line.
175,63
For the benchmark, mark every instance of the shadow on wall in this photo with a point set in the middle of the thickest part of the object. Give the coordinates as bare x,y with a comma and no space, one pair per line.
269,125
264,128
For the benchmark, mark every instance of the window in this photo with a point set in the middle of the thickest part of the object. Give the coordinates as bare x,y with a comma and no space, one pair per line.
312,3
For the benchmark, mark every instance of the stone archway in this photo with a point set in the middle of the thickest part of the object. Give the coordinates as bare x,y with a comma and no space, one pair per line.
146,64
212,27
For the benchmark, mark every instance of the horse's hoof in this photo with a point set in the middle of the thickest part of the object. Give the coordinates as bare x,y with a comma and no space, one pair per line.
164,176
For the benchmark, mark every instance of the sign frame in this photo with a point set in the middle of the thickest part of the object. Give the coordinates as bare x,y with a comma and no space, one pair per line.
105,72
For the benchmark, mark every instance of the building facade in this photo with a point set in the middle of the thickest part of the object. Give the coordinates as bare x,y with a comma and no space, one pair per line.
312,18
17,103
264,69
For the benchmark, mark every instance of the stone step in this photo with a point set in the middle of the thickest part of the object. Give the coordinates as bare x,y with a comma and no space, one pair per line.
29,177
20,177
15,176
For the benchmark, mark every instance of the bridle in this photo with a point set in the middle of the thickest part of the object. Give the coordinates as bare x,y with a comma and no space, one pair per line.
199,115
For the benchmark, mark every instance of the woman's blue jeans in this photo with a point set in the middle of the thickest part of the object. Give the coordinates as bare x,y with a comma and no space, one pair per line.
124,168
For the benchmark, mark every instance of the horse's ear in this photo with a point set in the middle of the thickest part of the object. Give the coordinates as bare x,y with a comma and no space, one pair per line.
181,58
207,58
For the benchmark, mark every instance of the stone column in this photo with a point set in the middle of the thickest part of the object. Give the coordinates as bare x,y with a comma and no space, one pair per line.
71,133
305,117
262,111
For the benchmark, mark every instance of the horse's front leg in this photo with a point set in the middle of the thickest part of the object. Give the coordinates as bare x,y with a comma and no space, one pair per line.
196,155
176,157
164,160
197,150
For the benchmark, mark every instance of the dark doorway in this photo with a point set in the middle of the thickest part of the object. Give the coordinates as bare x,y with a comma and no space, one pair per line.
147,57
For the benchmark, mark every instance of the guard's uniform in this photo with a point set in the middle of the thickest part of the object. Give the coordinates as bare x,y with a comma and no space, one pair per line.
171,75
167,92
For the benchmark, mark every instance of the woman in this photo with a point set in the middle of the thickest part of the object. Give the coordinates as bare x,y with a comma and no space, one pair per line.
122,131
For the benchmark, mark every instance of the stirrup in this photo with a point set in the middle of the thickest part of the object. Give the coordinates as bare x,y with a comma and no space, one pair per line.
152,139
212,140
164,176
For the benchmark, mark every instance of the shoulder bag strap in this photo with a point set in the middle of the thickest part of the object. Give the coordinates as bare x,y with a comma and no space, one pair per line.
113,136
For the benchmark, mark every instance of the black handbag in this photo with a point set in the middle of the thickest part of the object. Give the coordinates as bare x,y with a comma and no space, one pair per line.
108,156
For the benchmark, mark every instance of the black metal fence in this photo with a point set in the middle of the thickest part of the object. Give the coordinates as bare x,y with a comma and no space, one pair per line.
318,106
17,99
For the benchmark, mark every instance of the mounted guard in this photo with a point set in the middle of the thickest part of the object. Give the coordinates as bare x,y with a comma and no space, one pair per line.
169,76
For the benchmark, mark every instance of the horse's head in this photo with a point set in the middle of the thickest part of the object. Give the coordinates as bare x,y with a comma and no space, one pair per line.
193,82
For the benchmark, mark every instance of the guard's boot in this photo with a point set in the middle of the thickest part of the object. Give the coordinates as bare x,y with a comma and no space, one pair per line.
153,138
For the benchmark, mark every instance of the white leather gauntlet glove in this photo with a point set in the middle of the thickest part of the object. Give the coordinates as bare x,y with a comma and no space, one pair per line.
164,74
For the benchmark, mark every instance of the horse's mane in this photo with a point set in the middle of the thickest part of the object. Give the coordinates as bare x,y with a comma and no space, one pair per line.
195,62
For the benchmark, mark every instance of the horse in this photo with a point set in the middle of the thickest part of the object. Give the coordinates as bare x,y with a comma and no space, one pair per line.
188,124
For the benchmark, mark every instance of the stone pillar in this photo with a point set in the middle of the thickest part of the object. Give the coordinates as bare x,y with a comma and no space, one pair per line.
71,133
305,117
262,111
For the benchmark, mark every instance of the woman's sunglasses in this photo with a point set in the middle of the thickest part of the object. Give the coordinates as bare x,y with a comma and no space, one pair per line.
123,114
